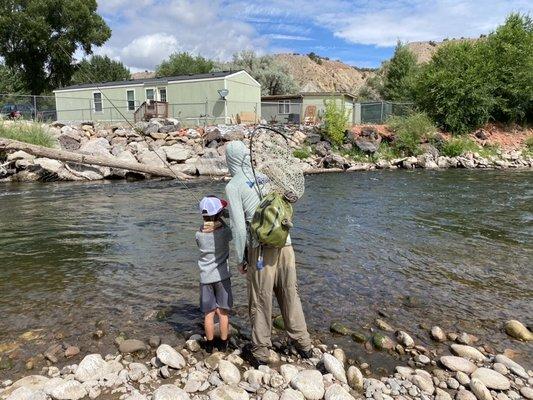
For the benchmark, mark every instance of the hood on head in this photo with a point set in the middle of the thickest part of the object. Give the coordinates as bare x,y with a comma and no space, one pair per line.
237,157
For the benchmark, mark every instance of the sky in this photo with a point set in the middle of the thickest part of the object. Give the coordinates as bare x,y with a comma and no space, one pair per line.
358,32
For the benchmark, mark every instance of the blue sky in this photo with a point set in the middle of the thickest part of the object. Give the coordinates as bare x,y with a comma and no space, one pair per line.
361,32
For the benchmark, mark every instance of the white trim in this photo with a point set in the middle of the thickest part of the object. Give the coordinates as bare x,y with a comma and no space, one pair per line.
101,88
128,101
198,80
243,71
159,93
146,95
101,102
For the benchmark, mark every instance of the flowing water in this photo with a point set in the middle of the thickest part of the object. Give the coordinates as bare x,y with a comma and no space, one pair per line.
453,248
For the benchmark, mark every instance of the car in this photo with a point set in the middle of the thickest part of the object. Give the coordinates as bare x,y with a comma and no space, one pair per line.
16,111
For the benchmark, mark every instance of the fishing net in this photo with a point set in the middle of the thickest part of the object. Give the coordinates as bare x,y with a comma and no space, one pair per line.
272,157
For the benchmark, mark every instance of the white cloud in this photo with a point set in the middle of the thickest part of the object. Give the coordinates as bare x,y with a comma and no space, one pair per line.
142,51
276,36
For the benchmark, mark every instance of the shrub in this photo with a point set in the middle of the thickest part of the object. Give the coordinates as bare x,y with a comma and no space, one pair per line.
409,131
399,75
336,119
302,153
529,145
458,146
28,133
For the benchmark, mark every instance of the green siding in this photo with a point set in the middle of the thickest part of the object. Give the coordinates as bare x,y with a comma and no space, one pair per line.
244,96
318,101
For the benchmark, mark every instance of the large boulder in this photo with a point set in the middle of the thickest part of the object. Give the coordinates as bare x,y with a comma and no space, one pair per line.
67,142
211,166
229,372
31,383
68,390
92,367
152,158
96,147
177,152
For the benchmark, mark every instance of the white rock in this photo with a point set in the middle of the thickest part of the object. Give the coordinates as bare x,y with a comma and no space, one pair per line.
405,372
136,396
254,376
229,372
468,352
462,378
192,345
423,383
337,392
355,378
177,152
152,158
404,339
464,394
310,383
491,379
291,394
96,147
227,392
68,390
501,368
442,395
170,392
480,390
137,371
335,367
527,392
455,363
438,334
270,395
500,358
340,355
92,367
169,356
288,371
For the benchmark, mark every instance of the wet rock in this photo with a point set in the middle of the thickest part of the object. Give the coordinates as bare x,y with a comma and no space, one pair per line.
229,372
334,367
404,339
132,346
170,392
340,355
228,392
337,327
464,394
468,352
480,390
438,334
92,367
279,323
384,325
518,331
358,337
72,351
68,390
291,394
354,378
288,371
491,379
454,363
310,383
382,342
154,341
337,392
168,356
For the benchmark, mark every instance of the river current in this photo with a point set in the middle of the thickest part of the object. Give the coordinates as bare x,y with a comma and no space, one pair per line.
453,248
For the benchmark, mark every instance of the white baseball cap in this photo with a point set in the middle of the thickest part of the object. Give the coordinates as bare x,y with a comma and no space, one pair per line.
212,205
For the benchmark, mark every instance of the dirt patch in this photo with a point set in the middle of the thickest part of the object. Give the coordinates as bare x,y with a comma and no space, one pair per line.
507,137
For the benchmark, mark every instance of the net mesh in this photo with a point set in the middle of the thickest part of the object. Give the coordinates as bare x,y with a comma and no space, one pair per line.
272,157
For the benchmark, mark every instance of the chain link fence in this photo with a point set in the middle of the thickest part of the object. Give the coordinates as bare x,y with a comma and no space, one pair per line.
379,112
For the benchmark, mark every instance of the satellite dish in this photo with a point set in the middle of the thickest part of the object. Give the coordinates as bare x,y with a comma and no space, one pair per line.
223,93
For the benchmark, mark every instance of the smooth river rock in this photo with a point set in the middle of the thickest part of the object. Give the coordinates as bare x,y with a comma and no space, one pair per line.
310,383
92,367
404,339
468,352
464,394
335,367
337,392
68,390
170,392
355,378
228,392
425,384
291,394
491,379
517,330
527,392
169,356
31,382
229,372
23,393
454,363
512,365
131,346
288,371
480,390
438,334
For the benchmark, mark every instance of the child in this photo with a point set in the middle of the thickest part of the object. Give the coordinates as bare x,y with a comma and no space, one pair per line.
215,286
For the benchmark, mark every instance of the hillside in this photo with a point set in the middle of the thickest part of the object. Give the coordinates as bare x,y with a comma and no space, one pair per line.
425,50
329,76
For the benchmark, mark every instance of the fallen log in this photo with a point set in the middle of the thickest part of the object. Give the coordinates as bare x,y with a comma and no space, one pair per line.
63,155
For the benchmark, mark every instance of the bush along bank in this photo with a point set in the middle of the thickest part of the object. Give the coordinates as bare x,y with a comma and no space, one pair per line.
459,368
200,152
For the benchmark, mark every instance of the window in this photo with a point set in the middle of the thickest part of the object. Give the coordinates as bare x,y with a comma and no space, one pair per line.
163,94
97,100
284,106
150,94
131,100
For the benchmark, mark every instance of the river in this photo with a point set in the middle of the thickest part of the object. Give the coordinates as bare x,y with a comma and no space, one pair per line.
453,248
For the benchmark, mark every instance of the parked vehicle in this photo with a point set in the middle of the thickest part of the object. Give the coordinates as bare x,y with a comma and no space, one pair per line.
17,111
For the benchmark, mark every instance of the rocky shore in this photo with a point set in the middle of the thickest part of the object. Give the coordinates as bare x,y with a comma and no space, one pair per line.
200,152
152,370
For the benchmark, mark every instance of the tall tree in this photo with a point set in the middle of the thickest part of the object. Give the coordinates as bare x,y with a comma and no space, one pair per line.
10,80
183,64
100,69
399,75
39,38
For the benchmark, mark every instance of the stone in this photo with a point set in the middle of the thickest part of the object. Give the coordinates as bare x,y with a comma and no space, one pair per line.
137,371
429,149
527,392
278,322
192,345
310,383
367,145
513,366
169,129
68,390
404,339
438,334
270,395
154,341
480,390
23,393
177,152
442,395
382,342
228,392
355,378
132,346
335,367
454,363
92,367
96,147
383,325
468,352
170,392
254,377
464,394
211,166
229,372
340,355
422,359
152,158
213,360
491,379
288,371
518,331
291,394
169,356
337,392
72,351
423,383
501,368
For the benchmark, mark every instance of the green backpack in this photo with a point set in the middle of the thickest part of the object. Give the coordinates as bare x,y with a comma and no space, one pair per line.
272,220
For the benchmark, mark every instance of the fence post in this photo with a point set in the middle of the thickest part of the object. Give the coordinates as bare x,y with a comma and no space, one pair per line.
35,108
90,110
381,118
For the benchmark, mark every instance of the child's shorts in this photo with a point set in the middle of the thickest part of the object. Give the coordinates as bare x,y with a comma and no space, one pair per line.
216,295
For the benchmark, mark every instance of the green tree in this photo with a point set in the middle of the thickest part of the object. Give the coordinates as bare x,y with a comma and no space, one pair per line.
183,64
399,75
10,80
39,38
272,75
100,69
336,121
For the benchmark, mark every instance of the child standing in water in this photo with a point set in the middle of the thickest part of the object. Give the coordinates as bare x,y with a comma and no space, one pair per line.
215,285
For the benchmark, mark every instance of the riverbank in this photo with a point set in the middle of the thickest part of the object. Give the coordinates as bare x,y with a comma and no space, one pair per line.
144,367
162,143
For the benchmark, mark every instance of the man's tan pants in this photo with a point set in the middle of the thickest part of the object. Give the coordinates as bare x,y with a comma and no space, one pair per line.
279,276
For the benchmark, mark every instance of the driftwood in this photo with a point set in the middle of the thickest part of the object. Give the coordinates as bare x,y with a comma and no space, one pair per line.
63,155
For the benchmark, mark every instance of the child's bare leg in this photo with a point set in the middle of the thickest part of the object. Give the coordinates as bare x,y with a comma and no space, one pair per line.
223,318
209,324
